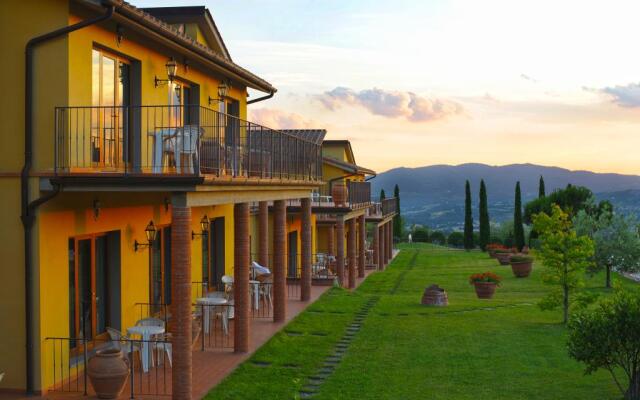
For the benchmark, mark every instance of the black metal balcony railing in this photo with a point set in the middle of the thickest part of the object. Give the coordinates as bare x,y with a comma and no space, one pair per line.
359,193
182,140
389,206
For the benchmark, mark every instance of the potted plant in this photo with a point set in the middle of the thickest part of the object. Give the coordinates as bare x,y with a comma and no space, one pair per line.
485,284
491,249
521,265
503,256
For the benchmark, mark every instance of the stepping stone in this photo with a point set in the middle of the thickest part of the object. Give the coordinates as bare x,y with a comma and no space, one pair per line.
332,359
326,370
293,333
403,315
319,333
316,381
290,365
261,363
306,395
342,345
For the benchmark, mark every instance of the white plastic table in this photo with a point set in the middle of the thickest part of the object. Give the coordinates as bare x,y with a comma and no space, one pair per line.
146,332
256,293
212,301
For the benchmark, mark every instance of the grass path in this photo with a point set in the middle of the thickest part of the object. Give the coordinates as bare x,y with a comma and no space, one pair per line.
504,348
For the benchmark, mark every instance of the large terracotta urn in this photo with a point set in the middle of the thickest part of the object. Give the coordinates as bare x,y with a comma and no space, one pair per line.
339,194
503,258
108,372
521,266
485,290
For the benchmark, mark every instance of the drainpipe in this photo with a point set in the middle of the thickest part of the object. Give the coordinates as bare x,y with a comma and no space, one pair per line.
28,208
270,95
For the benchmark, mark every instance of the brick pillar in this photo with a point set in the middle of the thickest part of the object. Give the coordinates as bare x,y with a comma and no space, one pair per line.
376,247
340,250
383,246
389,237
362,234
241,259
181,301
305,278
351,252
279,260
331,240
263,234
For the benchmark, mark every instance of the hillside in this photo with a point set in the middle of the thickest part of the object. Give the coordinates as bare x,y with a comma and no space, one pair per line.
434,195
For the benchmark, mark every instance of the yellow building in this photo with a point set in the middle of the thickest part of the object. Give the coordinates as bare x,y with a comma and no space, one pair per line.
132,181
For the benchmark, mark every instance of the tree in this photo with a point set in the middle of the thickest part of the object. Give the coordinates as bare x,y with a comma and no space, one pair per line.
485,229
456,239
382,195
518,228
468,218
571,200
397,220
565,256
420,234
616,241
606,337
541,190
437,237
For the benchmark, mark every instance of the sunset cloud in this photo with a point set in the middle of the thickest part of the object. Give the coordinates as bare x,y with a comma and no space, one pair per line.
278,119
624,96
391,104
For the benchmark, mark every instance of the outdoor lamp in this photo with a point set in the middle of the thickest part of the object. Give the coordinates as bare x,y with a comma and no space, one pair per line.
204,226
150,232
172,71
223,90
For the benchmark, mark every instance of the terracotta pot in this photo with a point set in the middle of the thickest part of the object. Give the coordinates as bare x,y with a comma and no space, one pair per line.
339,194
503,258
522,269
485,290
492,253
108,372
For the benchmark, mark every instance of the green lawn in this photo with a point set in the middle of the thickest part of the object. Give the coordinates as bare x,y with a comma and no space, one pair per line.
504,348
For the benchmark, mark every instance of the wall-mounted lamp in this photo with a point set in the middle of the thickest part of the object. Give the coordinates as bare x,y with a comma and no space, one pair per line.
204,226
150,232
223,90
96,209
119,34
172,71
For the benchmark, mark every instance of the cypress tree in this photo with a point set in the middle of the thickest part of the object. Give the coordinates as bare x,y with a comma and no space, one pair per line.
541,191
382,195
468,219
518,228
485,229
397,220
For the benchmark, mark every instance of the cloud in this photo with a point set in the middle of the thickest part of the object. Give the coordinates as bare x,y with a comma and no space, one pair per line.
278,119
391,104
528,78
624,96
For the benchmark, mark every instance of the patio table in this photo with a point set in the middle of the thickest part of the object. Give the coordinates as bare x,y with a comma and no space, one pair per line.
212,301
146,332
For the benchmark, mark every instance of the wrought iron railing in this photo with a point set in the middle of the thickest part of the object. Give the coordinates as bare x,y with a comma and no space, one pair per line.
70,356
178,140
216,324
389,206
359,193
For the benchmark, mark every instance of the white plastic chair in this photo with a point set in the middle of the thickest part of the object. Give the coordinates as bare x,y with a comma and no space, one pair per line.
164,344
186,143
117,338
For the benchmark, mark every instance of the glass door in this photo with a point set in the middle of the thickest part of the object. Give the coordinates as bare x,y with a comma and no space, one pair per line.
109,119
160,270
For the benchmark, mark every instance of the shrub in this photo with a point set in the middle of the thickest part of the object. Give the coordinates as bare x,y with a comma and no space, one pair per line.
437,237
485,277
420,235
456,239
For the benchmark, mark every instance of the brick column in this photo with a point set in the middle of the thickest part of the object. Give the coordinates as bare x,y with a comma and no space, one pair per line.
362,235
305,278
279,260
181,300
389,237
340,250
241,259
351,252
376,247
383,246
331,240
263,234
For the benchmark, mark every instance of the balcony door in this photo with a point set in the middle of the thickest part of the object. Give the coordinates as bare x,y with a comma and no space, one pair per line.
292,265
215,254
160,270
182,104
94,284
111,89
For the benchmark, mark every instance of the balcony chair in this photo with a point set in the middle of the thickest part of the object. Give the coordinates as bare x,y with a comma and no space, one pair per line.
186,144
117,338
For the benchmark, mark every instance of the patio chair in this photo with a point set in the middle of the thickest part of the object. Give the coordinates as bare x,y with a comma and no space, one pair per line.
266,287
186,144
117,338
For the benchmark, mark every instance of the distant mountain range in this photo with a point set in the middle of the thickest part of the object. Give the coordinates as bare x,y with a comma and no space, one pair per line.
434,195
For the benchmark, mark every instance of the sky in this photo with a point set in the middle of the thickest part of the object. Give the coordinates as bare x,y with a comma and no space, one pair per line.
423,82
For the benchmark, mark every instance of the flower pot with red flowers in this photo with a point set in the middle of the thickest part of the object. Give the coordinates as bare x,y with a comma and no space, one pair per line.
492,247
503,256
485,284
521,265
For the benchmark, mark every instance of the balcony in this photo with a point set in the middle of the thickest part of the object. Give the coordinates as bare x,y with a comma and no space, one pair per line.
189,141
385,208
358,196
